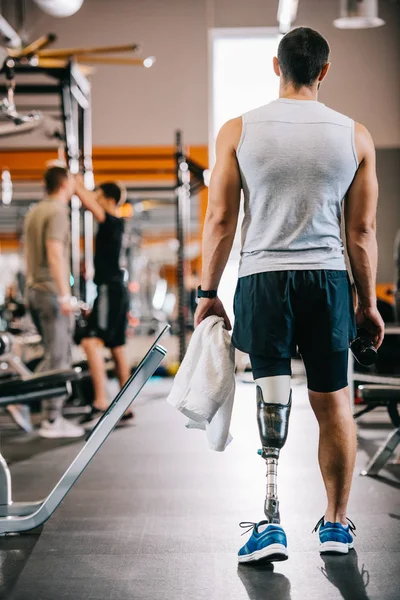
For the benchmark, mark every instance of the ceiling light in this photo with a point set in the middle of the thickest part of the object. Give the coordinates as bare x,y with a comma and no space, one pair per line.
287,13
149,61
59,8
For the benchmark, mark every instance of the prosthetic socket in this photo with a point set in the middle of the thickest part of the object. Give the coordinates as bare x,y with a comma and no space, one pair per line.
273,424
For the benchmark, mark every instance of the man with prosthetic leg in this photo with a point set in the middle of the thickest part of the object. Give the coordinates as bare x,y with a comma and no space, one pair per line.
296,161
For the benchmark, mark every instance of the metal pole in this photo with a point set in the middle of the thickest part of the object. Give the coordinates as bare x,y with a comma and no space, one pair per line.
71,125
89,184
397,276
182,198
5,487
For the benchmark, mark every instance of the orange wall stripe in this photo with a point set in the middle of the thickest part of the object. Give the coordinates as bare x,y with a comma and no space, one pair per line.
144,164
122,163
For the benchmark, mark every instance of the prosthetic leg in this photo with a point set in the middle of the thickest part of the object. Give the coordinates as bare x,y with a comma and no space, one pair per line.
273,424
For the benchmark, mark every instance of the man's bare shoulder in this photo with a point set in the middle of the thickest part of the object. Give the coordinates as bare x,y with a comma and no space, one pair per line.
230,132
361,130
363,140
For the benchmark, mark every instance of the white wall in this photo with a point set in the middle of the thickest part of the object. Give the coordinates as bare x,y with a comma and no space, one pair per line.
133,106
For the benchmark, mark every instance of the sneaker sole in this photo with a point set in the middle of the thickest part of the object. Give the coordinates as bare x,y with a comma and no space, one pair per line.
51,435
335,547
271,553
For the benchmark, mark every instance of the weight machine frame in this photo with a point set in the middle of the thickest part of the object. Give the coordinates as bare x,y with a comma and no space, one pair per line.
189,180
391,384
74,91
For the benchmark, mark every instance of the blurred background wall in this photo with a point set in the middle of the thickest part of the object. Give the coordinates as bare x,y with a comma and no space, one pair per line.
145,106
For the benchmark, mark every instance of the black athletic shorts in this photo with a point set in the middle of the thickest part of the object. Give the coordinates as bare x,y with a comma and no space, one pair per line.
277,311
109,317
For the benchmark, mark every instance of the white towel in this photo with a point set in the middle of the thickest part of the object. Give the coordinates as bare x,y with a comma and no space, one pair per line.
204,386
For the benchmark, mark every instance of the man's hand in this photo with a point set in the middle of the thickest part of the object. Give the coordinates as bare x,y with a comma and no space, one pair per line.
89,199
208,307
67,304
371,320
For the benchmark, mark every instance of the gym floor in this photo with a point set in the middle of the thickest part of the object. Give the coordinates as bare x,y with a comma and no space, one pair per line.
155,515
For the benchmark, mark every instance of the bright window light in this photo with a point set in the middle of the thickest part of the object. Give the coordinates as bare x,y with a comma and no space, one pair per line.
242,78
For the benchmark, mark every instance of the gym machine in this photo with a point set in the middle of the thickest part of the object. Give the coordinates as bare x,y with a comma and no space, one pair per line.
397,275
189,178
16,517
73,89
68,67
382,390
379,389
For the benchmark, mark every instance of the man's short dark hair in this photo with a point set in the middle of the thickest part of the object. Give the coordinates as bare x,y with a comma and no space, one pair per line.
302,54
113,191
54,178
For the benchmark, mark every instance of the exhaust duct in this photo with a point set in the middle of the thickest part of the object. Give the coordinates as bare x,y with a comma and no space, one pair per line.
358,14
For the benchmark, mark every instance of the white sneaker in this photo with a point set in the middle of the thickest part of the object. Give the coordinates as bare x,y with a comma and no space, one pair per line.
21,415
60,428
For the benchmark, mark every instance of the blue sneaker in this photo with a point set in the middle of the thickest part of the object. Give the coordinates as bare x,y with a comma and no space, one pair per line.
335,537
267,541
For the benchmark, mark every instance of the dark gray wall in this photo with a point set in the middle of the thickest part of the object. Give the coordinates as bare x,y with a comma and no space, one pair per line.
388,168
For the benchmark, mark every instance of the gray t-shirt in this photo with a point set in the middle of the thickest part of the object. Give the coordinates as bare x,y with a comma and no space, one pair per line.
297,159
49,219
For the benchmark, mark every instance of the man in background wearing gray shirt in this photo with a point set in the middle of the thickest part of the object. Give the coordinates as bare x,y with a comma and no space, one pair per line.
296,160
47,252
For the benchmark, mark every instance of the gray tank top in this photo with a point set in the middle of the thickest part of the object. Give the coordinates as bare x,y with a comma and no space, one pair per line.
297,159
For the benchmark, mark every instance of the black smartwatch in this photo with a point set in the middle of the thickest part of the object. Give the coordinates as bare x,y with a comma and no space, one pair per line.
206,293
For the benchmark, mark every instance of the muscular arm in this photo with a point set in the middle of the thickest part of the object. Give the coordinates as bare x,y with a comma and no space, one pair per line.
223,206
360,223
221,218
360,220
89,201
56,260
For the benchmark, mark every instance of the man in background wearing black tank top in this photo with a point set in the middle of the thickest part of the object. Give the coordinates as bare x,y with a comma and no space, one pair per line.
108,320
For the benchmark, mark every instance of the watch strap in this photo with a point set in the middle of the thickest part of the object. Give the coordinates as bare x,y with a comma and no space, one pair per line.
206,293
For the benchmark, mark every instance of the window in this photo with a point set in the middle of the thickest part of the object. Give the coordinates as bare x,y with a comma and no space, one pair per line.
241,78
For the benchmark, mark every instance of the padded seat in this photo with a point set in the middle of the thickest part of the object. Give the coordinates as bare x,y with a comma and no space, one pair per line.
40,386
378,393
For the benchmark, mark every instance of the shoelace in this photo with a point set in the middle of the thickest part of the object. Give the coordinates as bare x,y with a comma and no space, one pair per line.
249,525
352,527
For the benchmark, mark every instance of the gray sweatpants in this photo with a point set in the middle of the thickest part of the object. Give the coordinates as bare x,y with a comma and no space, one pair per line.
56,332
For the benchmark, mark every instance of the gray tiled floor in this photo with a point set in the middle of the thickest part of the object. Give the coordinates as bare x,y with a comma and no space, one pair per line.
155,515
